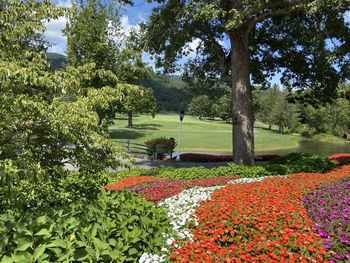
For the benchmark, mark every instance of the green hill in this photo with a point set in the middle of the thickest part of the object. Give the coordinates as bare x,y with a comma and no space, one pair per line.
169,90
56,60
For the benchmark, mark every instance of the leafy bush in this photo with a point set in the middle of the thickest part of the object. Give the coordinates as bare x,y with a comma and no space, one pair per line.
292,163
302,162
114,227
169,147
66,188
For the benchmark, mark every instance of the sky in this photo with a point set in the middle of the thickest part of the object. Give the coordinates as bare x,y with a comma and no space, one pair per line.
130,16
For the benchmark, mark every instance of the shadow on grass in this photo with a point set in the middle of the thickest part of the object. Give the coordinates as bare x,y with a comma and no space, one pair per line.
121,118
147,126
125,134
271,130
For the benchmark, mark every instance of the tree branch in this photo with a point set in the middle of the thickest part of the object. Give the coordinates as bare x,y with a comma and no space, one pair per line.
276,10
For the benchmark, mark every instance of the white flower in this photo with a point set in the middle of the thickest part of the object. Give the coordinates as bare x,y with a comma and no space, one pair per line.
181,208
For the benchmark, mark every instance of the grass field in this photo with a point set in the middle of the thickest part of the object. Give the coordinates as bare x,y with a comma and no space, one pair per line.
215,136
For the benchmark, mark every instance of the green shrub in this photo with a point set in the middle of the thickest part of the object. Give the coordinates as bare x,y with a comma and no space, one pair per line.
115,227
169,147
292,163
249,171
302,162
66,188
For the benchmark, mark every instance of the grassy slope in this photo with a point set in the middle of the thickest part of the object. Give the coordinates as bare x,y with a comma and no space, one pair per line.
198,135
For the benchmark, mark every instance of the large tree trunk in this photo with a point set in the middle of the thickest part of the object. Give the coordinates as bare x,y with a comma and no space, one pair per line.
242,109
130,119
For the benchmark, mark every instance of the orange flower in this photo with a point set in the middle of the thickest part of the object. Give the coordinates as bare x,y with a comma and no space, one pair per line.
132,181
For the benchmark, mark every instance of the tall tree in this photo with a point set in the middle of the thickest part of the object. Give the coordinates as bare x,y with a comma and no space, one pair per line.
36,122
95,40
283,114
266,100
200,106
90,31
264,36
137,99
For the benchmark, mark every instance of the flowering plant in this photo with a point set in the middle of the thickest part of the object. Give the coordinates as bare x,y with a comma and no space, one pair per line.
131,181
329,208
260,222
340,158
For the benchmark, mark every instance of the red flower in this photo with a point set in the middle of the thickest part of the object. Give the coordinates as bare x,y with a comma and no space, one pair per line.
259,222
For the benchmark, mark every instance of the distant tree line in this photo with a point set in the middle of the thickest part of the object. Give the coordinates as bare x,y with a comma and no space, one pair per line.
275,107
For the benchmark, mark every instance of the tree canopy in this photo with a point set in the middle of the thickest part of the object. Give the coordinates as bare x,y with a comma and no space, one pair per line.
40,128
243,40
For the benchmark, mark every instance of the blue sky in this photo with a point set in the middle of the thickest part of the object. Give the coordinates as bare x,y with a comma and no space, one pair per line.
130,16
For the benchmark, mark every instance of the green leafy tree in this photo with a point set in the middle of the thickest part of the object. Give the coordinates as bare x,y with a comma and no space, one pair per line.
90,31
137,99
225,108
200,106
264,37
96,42
42,130
332,118
266,100
283,113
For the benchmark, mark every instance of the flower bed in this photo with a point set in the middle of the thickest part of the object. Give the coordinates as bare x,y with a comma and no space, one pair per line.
131,181
158,191
340,158
262,221
329,208
197,157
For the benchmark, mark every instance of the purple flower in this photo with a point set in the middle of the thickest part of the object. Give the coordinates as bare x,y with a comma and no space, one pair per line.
323,210
344,239
322,202
323,233
329,208
337,256
327,246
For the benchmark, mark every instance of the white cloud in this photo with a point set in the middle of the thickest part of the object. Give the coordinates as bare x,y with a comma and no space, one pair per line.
54,35
191,48
126,26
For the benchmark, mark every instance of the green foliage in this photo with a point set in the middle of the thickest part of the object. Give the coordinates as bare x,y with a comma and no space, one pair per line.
332,118
41,129
284,114
271,106
169,91
116,227
43,191
293,163
301,162
89,33
57,61
138,99
152,145
200,106
282,36
224,108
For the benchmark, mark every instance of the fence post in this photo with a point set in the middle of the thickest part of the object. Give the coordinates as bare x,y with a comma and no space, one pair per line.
128,145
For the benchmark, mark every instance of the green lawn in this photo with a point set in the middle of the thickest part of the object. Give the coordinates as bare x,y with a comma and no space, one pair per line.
215,136
198,135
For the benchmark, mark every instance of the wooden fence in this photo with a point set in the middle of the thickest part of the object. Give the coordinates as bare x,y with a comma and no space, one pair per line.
135,149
